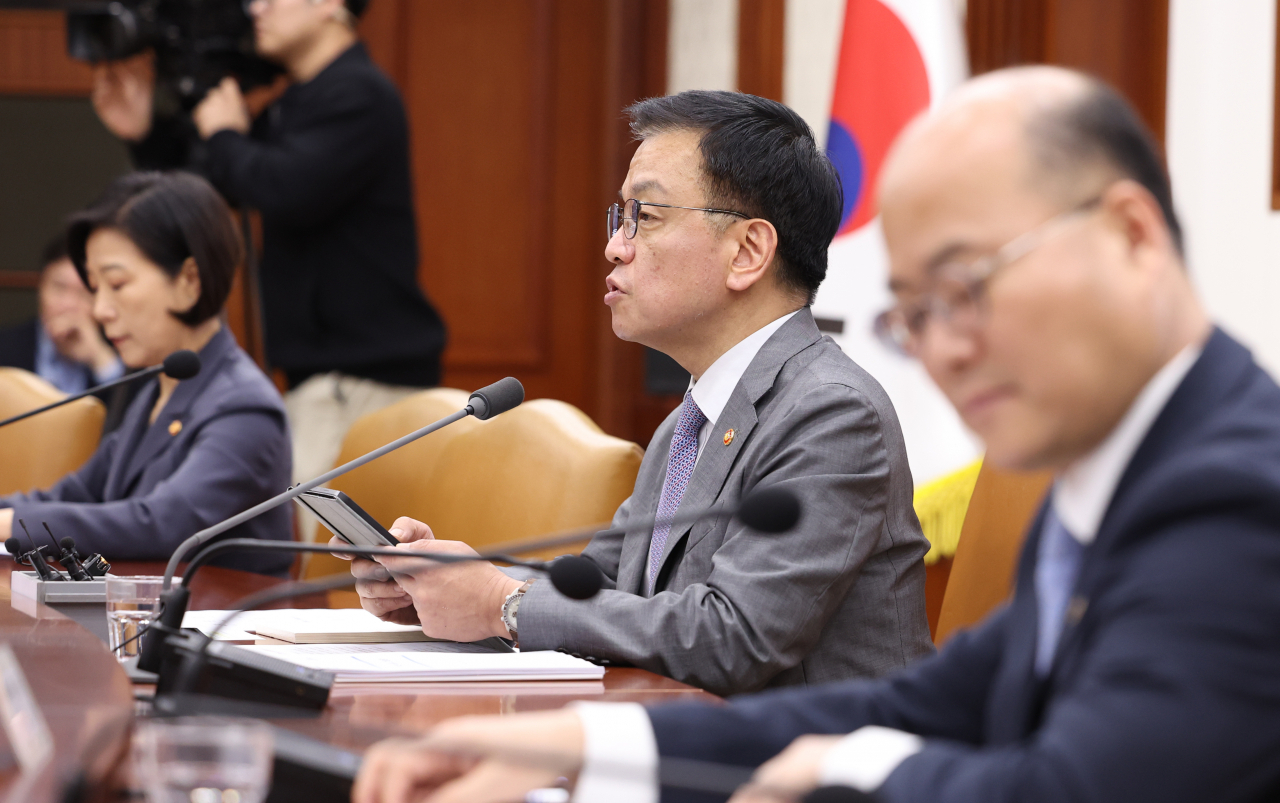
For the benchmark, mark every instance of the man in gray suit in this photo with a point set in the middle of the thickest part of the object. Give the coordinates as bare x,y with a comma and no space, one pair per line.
718,246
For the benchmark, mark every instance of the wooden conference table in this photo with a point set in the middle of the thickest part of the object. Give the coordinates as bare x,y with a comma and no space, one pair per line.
87,699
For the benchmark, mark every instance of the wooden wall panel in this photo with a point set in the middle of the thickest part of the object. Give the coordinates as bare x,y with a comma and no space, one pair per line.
479,92
761,43
33,56
1124,42
1275,128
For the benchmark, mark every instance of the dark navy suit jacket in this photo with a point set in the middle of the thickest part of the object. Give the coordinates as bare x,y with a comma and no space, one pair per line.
219,446
1166,682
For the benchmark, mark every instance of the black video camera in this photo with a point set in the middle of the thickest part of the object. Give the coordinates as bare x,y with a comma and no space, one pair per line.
197,43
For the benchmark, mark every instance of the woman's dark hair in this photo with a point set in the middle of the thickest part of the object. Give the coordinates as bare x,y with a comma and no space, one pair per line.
759,157
170,217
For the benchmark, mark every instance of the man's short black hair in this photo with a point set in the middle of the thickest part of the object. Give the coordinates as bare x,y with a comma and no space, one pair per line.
357,7
170,217
759,158
1102,127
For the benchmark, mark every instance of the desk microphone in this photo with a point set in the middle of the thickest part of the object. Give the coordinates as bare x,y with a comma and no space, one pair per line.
67,558
35,557
484,404
178,365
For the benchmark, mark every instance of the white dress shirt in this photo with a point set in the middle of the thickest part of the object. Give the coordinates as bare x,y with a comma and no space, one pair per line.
618,735
712,390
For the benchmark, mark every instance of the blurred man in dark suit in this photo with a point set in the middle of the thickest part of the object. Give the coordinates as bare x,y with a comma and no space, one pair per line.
1037,268
63,344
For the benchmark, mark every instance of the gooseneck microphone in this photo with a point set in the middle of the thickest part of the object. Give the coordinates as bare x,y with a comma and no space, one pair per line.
484,404
178,365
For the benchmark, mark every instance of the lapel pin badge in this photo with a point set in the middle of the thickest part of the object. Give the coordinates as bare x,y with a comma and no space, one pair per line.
728,436
175,427
1076,609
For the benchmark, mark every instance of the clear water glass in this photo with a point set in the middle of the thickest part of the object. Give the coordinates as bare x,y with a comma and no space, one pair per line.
204,760
132,602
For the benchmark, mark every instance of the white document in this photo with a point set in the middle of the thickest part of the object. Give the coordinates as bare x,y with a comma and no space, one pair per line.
434,662
305,626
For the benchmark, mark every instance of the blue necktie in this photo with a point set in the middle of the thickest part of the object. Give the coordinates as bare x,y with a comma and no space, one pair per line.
1057,565
680,462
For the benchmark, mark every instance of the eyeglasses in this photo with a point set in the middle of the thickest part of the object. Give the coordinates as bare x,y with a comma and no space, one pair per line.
958,297
627,216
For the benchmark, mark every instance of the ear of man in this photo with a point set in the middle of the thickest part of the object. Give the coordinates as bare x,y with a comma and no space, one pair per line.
755,245
1135,214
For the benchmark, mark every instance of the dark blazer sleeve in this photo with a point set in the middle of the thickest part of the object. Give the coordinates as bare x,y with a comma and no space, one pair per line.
1185,678
226,467
943,695
316,170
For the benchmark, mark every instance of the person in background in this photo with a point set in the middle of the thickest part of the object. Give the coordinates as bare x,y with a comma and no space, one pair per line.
64,345
1037,269
327,166
158,253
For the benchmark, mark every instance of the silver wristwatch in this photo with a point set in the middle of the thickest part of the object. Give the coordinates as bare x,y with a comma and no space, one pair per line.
509,607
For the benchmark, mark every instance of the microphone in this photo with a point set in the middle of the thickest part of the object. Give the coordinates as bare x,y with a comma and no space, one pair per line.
36,556
95,564
485,403
178,365
67,558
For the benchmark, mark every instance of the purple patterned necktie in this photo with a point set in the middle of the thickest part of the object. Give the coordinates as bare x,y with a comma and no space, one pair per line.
680,462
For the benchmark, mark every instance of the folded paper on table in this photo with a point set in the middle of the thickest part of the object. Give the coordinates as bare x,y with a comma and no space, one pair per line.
437,662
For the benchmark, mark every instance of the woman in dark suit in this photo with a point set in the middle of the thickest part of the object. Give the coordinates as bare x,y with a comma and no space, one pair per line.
158,252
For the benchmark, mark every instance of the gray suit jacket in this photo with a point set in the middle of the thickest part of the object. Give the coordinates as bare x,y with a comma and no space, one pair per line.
840,596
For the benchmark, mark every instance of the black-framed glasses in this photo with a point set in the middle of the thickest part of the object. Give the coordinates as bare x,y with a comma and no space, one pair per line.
626,216
958,296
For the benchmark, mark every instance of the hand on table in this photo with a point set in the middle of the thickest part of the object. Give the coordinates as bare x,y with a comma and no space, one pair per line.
790,775
495,759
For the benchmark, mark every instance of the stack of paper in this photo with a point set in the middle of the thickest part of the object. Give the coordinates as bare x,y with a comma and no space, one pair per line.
438,662
305,626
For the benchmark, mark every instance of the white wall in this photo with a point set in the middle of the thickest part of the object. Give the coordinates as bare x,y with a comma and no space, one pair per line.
702,45
1218,134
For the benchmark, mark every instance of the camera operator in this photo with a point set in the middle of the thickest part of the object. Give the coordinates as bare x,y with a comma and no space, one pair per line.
327,166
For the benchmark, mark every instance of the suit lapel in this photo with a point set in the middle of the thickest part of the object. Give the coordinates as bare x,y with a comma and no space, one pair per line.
1016,688
739,414
171,421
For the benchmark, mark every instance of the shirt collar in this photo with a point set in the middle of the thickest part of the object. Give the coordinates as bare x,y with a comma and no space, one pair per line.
1083,491
711,393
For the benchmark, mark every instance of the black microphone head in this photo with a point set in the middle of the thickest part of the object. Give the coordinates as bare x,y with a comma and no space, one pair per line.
576,577
68,543
497,398
182,365
769,510
838,794
13,545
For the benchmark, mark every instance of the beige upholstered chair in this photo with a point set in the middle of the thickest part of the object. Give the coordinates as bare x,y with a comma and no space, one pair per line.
39,451
541,468
982,573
